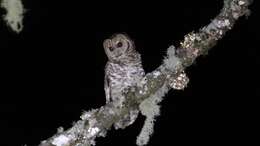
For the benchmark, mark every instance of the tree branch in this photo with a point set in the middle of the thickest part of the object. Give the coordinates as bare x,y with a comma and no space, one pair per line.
96,123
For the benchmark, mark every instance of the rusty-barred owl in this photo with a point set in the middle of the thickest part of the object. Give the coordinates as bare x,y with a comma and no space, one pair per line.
123,70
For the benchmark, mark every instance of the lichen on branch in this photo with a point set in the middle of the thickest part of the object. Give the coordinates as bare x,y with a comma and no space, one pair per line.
14,14
155,85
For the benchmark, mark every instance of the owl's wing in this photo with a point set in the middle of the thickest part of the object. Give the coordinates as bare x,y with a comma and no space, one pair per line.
107,89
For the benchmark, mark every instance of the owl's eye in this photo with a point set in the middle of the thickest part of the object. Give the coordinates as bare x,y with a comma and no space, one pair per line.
111,49
119,44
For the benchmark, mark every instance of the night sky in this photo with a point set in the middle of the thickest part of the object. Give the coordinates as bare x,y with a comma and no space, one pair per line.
54,69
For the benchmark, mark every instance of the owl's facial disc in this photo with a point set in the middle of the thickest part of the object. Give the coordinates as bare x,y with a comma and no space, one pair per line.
117,47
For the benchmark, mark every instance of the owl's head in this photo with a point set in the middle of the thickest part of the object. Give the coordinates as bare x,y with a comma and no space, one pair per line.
118,47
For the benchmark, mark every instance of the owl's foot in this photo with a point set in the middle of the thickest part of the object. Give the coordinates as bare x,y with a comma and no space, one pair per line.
179,82
128,89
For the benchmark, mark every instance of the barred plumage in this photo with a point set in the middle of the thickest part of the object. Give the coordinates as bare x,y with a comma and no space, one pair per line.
123,70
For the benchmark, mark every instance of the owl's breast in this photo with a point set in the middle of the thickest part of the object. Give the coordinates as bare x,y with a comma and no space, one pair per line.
125,76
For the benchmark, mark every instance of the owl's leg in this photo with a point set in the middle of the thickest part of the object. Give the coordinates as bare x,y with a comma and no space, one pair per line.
179,82
126,90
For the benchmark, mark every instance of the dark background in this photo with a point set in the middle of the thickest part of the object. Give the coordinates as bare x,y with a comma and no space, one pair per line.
54,69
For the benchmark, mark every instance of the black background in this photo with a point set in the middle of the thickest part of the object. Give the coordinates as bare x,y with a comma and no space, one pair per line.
54,69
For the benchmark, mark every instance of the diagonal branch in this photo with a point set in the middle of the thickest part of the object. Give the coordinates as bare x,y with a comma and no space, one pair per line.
97,122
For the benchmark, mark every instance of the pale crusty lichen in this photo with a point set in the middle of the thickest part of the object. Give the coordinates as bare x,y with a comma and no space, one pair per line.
14,14
150,108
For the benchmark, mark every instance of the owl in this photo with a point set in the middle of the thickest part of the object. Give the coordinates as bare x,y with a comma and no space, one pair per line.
123,70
